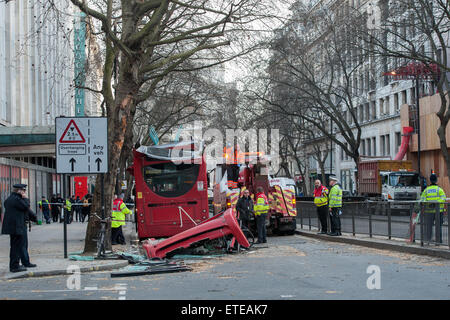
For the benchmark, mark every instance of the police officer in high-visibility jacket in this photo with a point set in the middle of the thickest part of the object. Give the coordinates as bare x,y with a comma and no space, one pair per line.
321,202
45,208
261,207
335,205
67,211
435,194
119,210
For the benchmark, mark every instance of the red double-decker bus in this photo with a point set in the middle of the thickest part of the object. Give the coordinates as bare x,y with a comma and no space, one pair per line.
170,188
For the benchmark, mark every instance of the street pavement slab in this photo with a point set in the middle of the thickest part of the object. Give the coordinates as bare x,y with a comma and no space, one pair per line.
46,250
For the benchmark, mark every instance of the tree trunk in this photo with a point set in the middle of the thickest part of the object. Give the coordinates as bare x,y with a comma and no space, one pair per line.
119,118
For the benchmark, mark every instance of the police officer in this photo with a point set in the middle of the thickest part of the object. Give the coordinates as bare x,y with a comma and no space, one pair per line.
45,208
335,205
60,206
261,208
244,207
68,211
321,202
17,212
119,210
433,193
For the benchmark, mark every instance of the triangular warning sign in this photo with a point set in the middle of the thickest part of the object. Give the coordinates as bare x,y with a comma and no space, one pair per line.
72,134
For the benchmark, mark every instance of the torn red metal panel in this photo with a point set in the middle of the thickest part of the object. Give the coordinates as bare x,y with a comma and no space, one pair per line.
215,227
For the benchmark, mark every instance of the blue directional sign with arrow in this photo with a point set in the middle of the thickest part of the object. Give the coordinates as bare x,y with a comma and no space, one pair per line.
81,145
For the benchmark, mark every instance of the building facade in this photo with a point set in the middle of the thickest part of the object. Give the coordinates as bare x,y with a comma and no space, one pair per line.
37,63
375,100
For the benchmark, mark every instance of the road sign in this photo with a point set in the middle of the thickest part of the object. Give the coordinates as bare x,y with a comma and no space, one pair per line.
81,145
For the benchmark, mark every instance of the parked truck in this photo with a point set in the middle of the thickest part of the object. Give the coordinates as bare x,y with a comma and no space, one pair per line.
389,180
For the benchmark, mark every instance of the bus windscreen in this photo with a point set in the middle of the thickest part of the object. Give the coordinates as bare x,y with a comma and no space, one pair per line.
170,180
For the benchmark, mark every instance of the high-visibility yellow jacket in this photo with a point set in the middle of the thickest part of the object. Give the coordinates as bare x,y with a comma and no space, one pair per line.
321,196
42,208
433,193
261,205
68,205
119,210
335,197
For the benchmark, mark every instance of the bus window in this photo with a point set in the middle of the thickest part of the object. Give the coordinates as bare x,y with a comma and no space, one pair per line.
170,180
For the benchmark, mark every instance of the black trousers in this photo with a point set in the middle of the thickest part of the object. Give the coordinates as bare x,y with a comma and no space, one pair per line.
55,215
261,226
25,258
322,213
244,223
19,250
117,236
335,220
46,215
429,220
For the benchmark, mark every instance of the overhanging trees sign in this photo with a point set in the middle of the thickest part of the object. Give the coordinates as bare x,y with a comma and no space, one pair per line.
81,145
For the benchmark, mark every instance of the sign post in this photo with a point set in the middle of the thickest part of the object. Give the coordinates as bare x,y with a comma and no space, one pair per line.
81,148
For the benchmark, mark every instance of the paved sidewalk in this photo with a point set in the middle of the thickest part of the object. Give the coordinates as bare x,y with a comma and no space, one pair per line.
380,242
46,250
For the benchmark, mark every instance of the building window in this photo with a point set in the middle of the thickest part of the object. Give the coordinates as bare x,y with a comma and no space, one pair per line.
398,140
388,145
374,144
381,107
404,99
374,109
396,103
387,108
369,148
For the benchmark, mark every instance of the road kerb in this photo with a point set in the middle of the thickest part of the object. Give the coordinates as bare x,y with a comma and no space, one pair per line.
378,244
56,272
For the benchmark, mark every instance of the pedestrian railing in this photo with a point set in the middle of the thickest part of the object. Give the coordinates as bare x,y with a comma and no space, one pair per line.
413,221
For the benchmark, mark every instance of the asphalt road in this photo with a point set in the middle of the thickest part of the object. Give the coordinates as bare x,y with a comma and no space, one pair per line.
289,268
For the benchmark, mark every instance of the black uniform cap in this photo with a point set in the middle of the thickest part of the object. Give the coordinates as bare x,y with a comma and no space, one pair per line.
20,186
433,178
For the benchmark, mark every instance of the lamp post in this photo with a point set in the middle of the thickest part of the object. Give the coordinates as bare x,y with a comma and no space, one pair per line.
418,129
331,148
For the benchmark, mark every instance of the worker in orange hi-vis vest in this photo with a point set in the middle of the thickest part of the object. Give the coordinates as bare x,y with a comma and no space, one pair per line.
321,202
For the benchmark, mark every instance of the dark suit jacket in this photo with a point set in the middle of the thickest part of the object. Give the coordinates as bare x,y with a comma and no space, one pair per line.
245,208
16,212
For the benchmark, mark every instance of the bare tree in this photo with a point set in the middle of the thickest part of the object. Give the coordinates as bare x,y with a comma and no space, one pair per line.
412,32
146,41
311,78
